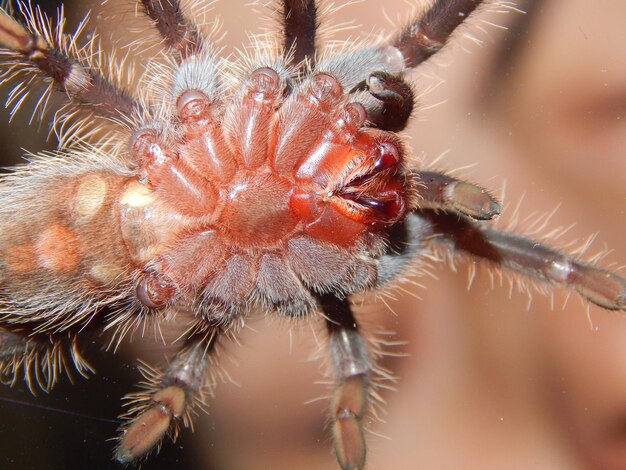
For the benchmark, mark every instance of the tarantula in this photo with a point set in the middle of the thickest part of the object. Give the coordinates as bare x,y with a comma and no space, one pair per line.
274,182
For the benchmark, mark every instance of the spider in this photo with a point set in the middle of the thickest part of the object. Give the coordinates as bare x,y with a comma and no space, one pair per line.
275,181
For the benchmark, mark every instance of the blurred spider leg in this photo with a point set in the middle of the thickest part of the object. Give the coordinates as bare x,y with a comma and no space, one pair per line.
426,35
352,367
439,191
300,27
167,399
42,359
421,39
604,288
178,32
49,53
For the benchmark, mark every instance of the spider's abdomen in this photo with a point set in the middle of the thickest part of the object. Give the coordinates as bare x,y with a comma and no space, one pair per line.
274,195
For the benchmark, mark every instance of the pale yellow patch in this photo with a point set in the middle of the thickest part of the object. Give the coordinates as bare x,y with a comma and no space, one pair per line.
137,195
105,273
89,198
148,253
58,249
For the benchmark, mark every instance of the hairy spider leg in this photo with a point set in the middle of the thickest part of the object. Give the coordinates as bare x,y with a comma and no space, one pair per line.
443,192
427,34
351,364
42,359
526,256
300,30
37,49
393,98
167,399
179,33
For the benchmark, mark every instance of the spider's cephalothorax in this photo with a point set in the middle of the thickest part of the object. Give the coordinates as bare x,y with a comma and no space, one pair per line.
275,183
252,207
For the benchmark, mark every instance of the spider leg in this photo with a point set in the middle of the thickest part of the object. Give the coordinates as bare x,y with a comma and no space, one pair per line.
394,101
41,51
352,367
439,191
41,359
300,27
179,33
426,35
167,399
529,257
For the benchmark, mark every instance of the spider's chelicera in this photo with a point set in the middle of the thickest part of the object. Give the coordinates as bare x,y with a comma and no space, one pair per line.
274,183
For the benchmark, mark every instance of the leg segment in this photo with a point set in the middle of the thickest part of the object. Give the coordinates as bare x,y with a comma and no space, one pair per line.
352,368
168,398
439,191
606,289
428,34
300,26
41,51
179,33
397,100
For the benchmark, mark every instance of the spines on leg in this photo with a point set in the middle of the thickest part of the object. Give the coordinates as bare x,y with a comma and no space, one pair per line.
426,35
40,359
39,50
526,256
350,359
169,398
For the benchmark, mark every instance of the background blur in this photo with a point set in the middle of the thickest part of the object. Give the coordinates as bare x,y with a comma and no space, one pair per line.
538,108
